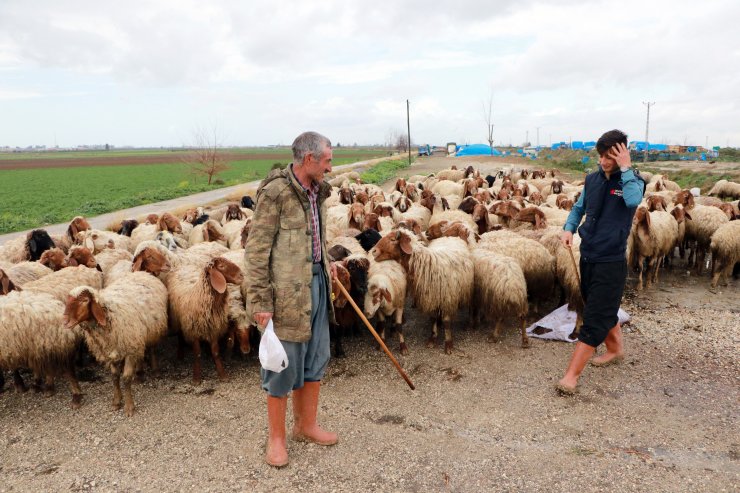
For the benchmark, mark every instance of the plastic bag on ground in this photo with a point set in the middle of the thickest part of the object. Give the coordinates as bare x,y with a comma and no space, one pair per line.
558,325
272,353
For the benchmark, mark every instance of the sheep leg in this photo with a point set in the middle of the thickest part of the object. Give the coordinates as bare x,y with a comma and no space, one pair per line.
153,364
217,359
655,270
197,371
432,341
74,385
18,383
699,260
2,381
399,328
49,388
640,268
448,335
115,370
243,337
495,336
230,339
525,337
129,369
651,265
180,346
335,334
381,328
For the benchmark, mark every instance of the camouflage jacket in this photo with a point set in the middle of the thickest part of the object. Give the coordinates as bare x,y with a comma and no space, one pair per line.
279,254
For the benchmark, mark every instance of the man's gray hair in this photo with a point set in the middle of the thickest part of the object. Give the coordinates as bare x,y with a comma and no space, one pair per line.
309,143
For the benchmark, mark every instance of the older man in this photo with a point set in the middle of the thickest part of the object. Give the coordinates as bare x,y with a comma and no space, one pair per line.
288,274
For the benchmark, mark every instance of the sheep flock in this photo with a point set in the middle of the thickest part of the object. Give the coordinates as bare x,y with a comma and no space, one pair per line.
455,245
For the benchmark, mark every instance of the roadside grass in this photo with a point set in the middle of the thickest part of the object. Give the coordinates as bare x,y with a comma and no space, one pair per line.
34,198
384,171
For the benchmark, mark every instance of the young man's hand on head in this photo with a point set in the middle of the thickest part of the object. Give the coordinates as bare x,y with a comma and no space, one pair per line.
621,155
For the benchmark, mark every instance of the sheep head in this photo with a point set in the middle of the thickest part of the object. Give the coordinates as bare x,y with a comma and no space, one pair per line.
338,252
642,220
403,203
37,242
371,221
6,284
468,205
361,198
83,306
212,231
532,215
152,219
656,203
470,188
557,186
79,255
684,198
343,278
127,226
345,195
400,185
411,192
680,214
77,224
221,271
233,213
393,246
53,259
152,261
428,202
728,210
356,215
410,224
536,198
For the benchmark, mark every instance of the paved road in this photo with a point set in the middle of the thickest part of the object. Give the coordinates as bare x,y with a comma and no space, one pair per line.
213,196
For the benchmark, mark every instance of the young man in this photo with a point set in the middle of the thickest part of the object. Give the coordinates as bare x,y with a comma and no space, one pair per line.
288,274
609,200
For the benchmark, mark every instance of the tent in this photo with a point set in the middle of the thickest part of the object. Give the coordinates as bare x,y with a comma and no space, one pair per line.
478,150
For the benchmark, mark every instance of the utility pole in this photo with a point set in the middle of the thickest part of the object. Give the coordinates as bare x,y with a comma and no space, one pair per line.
408,128
647,128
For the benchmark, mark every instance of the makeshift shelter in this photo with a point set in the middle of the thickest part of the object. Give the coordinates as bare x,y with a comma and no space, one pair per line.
478,150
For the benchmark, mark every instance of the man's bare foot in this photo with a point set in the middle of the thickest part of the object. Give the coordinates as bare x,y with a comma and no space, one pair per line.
607,359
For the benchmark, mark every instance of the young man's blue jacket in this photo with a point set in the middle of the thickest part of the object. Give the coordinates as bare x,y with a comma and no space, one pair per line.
609,205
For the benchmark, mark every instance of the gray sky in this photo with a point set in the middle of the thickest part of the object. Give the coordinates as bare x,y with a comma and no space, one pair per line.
148,73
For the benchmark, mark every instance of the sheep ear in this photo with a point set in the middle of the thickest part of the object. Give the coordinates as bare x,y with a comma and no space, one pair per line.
98,313
398,235
89,244
72,230
138,261
687,215
7,284
205,233
417,229
406,244
386,295
217,280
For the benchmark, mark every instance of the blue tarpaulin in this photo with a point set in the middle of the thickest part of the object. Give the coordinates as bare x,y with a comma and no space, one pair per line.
478,150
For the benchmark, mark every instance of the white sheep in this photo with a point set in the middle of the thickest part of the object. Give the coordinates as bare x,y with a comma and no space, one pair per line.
60,283
210,231
653,236
445,188
109,257
234,232
441,276
705,220
17,275
97,240
120,323
724,188
32,335
500,291
725,248
198,305
452,216
534,259
386,296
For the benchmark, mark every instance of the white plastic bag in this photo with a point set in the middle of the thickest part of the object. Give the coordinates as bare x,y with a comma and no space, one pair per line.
272,353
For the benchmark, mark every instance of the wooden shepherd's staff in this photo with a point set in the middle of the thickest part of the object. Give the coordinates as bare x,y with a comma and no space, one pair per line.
575,266
375,334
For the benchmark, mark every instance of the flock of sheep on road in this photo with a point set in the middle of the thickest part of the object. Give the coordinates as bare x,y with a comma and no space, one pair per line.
449,241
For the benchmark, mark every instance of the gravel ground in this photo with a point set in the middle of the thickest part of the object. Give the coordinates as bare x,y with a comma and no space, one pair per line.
485,418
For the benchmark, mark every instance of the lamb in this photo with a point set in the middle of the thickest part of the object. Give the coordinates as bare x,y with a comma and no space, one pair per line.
386,296
16,275
724,188
680,215
32,335
654,236
441,276
454,175
120,323
368,239
26,248
198,305
500,291
725,248
705,221
534,259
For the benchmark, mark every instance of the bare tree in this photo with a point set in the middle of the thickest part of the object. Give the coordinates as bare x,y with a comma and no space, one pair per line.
488,118
206,157
402,143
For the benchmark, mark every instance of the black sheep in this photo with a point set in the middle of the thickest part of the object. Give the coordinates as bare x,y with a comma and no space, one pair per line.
490,179
38,242
201,219
247,202
338,252
127,226
368,238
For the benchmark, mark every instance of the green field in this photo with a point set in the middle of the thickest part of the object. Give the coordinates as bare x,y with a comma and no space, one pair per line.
42,196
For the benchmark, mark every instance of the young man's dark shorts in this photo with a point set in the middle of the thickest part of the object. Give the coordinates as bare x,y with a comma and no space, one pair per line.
602,285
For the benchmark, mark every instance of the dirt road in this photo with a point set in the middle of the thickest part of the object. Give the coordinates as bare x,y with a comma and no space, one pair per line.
485,418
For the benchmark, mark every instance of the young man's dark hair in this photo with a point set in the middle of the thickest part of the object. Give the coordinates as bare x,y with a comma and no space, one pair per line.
609,140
